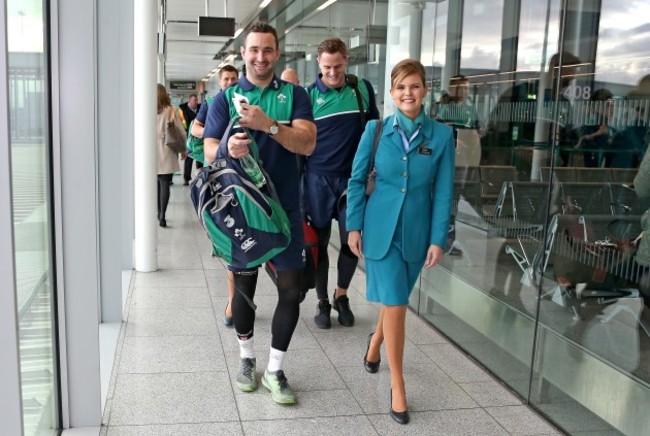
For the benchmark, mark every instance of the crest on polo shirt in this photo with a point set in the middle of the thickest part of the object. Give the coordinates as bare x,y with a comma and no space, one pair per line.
282,98
320,101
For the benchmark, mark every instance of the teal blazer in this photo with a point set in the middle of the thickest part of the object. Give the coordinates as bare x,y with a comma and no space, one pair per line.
418,185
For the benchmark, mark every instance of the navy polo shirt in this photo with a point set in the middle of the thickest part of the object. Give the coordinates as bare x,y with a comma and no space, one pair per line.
203,112
339,125
280,100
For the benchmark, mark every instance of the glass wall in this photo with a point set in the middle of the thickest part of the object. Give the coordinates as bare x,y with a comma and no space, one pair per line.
30,162
544,283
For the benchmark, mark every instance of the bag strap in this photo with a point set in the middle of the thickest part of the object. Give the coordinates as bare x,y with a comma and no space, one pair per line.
353,81
375,144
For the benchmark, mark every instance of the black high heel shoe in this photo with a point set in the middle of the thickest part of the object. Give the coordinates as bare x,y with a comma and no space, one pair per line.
371,367
399,417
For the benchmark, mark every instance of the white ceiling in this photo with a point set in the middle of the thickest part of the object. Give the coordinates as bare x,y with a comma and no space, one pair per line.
191,57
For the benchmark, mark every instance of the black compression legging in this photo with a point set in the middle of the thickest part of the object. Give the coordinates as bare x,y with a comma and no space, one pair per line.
164,180
345,265
286,313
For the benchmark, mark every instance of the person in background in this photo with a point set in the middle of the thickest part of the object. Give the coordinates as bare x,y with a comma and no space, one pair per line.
167,158
227,76
279,118
458,111
340,123
290,75
189,109
402,226
596,134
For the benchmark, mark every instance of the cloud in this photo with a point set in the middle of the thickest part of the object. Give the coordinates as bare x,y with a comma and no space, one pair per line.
480,59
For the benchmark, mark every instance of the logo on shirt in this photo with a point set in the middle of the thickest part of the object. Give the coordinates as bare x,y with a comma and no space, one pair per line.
320,100
282,98
230,221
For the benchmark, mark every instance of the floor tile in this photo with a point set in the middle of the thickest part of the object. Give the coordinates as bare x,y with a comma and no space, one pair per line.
171,322
151,354
456,364
155,298
467,422
490,393
225,428
520,420
171,398
334,426
426,389
259,405
170,278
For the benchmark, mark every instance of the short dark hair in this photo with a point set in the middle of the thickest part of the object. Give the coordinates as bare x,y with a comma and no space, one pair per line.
406,68
228,68
261,27
192,95
331,46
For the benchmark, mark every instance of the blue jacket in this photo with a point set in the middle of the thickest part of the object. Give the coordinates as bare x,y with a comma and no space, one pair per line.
417,184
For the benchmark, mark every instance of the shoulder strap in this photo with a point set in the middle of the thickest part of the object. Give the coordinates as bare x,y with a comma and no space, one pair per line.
353,81
172,112
375,143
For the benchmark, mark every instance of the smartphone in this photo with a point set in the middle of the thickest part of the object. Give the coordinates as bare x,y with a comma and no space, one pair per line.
237,100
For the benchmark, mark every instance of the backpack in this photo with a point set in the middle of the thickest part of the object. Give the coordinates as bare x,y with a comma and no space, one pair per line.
246,224
193,144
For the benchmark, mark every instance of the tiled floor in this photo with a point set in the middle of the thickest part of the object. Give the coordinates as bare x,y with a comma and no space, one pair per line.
176,361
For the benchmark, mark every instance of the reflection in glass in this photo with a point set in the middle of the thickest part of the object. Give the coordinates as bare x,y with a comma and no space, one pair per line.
543,267
28,111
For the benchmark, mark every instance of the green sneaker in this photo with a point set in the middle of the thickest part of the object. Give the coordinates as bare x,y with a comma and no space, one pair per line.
277,383
246,380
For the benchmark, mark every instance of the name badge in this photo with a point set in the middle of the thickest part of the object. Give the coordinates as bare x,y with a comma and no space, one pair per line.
423,150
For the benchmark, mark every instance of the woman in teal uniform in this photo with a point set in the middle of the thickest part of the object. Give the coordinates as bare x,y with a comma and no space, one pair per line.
403,224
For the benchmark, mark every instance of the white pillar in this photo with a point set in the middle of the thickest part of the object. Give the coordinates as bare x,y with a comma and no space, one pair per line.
145,17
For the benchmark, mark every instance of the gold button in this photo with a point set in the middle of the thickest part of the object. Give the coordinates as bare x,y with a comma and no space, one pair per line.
405,174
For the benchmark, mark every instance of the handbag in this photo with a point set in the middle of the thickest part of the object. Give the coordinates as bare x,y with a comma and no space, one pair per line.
246,224
174,138
372,171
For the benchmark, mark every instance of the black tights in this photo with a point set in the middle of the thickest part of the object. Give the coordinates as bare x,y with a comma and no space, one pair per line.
286,313
345,266
164,180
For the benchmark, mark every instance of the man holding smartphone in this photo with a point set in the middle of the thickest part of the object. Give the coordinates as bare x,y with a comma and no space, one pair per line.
279,117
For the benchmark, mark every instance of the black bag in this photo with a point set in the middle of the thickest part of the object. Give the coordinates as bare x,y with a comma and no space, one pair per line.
246,224
372,172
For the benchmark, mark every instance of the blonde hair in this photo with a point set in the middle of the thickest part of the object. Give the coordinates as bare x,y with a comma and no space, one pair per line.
406,68
163,98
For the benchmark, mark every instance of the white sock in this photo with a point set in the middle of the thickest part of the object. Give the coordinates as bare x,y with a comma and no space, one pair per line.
276,360
246,349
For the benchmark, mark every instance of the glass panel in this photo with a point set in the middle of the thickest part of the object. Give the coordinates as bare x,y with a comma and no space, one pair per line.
30,145
594,314
549,133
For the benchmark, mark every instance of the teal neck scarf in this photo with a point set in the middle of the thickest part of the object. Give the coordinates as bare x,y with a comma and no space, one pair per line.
409,126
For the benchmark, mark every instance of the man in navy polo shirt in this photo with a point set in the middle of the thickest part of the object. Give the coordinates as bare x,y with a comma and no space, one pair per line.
280,119
342,105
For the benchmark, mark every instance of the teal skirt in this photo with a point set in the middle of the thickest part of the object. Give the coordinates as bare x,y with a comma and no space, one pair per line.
390,280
